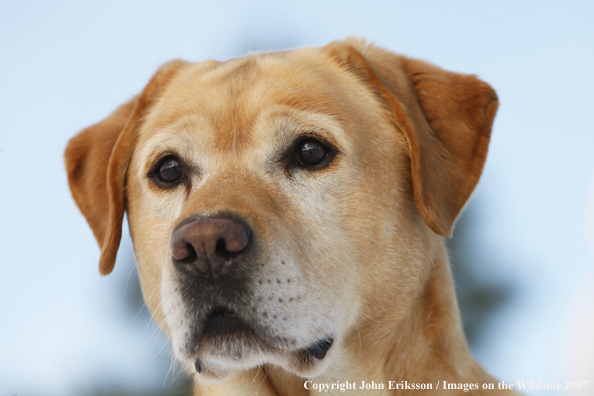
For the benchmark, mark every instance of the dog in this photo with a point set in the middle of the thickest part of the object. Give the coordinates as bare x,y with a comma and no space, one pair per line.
287,212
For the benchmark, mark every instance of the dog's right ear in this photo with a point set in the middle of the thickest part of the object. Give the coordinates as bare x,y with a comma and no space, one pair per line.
97,161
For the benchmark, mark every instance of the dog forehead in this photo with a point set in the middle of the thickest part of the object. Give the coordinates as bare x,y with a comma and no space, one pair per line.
225,102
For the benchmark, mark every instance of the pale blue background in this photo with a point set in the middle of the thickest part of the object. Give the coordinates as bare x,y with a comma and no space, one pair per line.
65,65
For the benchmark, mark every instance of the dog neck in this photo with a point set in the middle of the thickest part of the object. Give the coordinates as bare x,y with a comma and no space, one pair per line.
426,346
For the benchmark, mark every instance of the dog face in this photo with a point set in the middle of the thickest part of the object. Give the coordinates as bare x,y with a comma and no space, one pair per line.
315,222
274,200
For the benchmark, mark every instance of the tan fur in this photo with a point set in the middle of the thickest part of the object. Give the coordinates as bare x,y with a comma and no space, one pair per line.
353,250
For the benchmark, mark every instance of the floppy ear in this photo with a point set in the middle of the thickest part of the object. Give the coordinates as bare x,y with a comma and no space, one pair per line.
97,161
446,118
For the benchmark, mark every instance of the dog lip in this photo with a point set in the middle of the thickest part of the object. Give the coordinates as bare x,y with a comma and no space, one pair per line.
317,350
222,320
225,330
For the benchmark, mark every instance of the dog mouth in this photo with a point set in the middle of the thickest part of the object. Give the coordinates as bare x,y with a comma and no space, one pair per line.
222,321
226,335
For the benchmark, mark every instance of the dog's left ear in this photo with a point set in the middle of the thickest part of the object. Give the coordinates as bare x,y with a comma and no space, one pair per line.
446,118
97,162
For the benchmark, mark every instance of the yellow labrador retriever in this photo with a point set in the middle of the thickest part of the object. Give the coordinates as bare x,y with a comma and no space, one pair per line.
287,212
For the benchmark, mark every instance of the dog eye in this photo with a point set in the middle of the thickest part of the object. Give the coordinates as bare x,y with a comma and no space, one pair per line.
170,170
310,152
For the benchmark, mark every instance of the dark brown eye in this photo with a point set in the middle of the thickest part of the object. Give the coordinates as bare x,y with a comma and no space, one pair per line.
170,170
310,152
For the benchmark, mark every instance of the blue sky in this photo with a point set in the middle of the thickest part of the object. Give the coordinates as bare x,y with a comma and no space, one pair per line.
65,65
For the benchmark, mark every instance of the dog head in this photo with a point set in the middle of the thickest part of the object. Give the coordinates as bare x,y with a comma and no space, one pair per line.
275,199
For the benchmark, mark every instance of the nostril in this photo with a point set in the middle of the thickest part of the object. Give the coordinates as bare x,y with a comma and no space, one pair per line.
232,247
236,238
191,256
183,251
221,250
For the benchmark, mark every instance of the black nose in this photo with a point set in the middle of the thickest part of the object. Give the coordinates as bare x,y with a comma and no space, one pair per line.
209,245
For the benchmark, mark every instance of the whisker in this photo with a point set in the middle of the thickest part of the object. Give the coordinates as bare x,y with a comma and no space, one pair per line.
263,379
360,342
391,332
